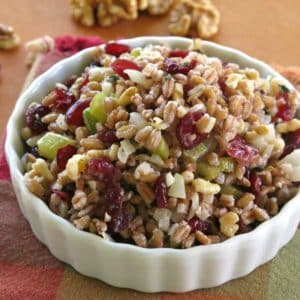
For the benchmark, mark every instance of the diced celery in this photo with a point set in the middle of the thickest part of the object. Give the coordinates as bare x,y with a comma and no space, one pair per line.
207,171
196,152
163,149
229,189
51,142
177,189
135,52
97,107
89,121
227,164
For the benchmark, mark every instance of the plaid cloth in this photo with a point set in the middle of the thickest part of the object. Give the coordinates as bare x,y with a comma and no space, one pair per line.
29,271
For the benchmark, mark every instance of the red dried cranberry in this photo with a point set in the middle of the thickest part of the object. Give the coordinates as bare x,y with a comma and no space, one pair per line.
161,192
74,113
173,67
116,49
113,194
64,100
244,153
69,82
178,53
62,195
101,167
197,224
120,219
243,228
186,130
186,88
256,183
33,118
292,142
108,137
120,65
63,154
284,110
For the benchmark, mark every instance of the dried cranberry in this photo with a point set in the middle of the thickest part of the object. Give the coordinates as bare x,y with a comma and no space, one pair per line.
245,154
197,224
64,99
101,167
186,88
284,110
113,194
120,219
186,130
243,228
69,82
63,154
62,195
33,118
178,53
256,183
223,86
74,113
292,142
173,67
161,192
116,49
108,137
120,65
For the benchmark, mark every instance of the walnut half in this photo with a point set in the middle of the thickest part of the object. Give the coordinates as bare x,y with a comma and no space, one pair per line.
8,38
199,15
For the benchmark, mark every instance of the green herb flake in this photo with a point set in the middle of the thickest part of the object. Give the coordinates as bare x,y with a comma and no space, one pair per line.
284,89
113,78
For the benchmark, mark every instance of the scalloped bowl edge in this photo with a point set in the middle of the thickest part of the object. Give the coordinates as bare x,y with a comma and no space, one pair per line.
128,266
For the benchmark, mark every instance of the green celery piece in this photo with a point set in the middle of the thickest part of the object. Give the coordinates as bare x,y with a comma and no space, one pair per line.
163,149
89,121
229,189
135,52
49,143
207,171
97,107
196,152
227,164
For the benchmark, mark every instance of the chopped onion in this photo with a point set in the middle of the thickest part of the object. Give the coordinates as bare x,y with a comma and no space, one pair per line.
139,78
177,189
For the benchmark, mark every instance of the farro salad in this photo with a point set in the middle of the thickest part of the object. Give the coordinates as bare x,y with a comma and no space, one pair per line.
162,147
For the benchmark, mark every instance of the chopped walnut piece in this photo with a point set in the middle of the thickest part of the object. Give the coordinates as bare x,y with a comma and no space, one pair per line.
8,38
189,15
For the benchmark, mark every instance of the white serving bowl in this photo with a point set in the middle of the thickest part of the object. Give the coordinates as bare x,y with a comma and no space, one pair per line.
128,266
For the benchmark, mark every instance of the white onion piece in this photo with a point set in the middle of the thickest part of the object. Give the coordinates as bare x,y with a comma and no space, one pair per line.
139,78
291,165
138,120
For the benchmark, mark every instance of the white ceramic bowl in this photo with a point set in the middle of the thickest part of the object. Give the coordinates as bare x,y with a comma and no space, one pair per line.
123,265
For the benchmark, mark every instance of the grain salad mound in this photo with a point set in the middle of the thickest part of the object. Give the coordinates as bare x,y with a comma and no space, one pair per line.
163,147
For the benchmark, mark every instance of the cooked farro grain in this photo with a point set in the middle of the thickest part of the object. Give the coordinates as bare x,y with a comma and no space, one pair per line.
164,143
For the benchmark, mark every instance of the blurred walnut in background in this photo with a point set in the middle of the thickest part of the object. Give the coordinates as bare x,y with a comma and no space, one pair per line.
8,38
107,12
186,17
190,15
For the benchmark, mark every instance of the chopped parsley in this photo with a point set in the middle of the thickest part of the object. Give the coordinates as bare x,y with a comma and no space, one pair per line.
284,89
113,78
